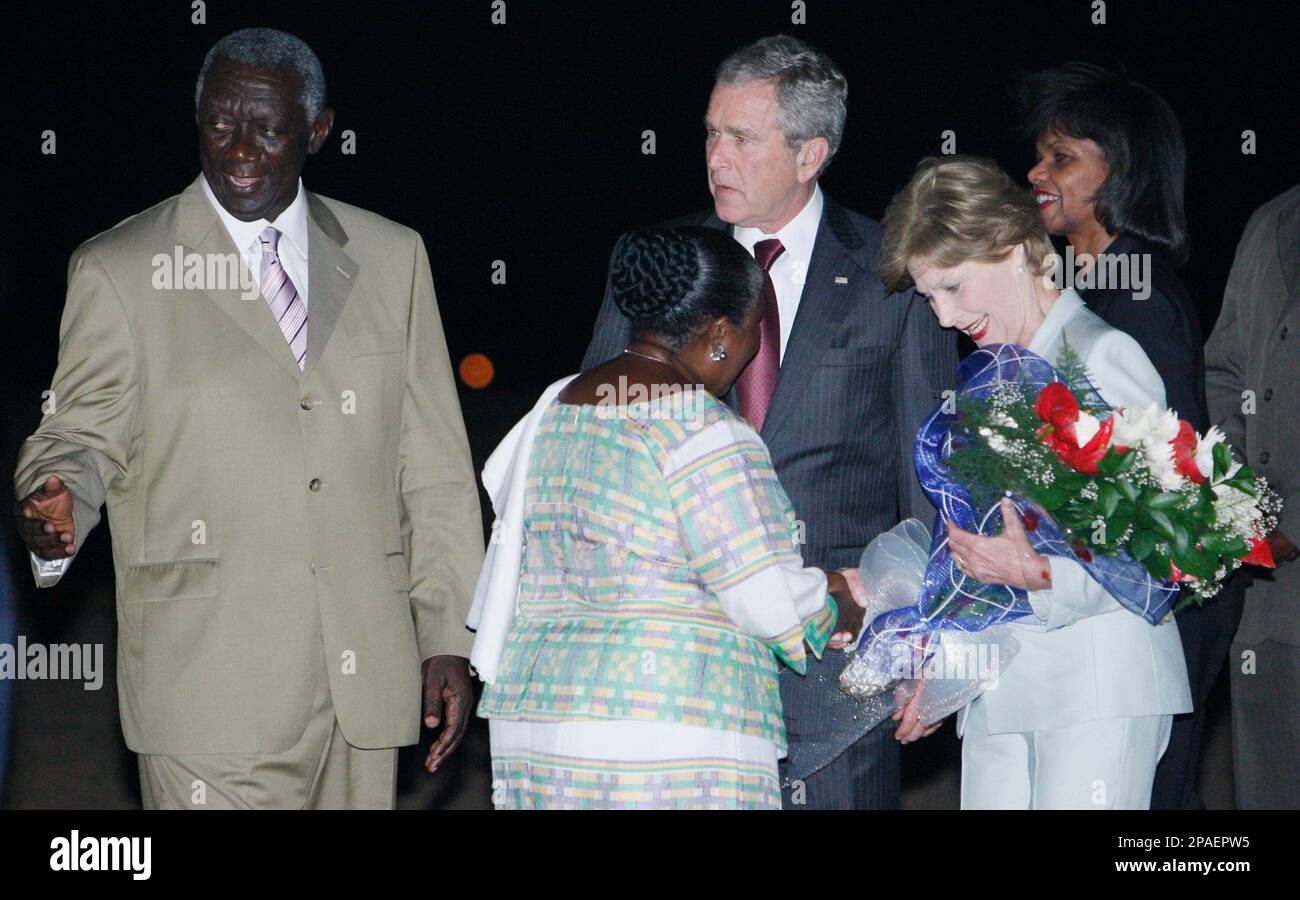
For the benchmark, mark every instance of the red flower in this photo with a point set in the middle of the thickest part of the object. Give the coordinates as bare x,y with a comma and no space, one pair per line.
1177,574
1184,444
1085,458
1056,405
1261,554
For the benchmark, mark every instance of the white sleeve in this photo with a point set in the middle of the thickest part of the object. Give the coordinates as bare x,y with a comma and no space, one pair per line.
737,532
1074,595
1120,370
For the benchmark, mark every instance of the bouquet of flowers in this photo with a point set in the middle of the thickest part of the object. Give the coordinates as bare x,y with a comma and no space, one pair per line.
1138,482
1136,498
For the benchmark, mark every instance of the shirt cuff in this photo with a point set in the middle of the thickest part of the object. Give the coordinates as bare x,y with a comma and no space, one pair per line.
816,630
47,572
1041,603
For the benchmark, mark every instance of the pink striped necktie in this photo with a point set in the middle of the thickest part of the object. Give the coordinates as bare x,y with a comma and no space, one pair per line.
287,307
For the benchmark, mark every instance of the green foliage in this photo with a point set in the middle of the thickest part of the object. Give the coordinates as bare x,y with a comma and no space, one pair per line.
1071,370
1222,460
1141,544
1118,510
1115,463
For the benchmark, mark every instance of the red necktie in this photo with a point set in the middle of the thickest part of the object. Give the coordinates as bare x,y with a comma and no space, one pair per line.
755,385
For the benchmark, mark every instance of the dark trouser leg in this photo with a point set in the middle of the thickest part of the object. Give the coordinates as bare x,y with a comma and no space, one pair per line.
1206,633
1266,724
865,776
822,717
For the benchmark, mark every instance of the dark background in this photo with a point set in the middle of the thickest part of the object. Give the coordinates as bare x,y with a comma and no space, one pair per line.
522,143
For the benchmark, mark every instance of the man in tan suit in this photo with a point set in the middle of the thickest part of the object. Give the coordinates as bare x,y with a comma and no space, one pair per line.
296,529
1253,382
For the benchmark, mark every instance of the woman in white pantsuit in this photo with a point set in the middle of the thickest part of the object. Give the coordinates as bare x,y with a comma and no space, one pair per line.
1082,714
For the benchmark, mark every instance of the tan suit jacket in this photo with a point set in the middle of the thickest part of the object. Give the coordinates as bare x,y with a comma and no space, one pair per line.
1256,347
271,527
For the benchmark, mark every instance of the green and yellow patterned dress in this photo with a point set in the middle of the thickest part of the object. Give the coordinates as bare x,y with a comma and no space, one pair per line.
660,584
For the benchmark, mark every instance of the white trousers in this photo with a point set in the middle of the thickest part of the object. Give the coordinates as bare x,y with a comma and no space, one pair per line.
1102,764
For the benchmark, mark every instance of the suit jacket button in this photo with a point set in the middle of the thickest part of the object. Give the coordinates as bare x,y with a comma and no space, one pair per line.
1263,457
315,484
307,403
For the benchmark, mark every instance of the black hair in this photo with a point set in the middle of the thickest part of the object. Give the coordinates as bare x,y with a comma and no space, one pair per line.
671,281
1139,137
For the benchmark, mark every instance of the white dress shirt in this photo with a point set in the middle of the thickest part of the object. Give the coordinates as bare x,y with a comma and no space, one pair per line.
247,237
790,269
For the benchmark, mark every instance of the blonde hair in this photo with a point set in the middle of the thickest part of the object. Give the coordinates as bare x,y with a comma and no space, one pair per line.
960,208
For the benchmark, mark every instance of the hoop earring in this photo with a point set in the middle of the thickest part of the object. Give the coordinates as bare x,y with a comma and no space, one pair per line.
718,353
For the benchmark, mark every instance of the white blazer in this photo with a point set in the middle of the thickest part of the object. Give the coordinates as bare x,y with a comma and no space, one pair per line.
1086,657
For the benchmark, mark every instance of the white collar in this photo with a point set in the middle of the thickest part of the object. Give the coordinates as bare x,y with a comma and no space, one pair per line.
292,223
798,235
1062,311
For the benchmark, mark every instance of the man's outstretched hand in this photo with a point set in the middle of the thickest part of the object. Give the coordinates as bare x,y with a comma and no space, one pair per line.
850,596
448,700
45,520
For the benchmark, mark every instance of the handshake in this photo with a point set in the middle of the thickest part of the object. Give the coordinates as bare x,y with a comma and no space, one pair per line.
845,586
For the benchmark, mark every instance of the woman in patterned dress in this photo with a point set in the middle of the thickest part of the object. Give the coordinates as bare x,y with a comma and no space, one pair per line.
661,583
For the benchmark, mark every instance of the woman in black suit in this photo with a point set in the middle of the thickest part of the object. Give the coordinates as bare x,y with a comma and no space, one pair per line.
1109,179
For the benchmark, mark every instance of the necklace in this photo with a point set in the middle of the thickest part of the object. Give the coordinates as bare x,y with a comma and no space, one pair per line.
658,359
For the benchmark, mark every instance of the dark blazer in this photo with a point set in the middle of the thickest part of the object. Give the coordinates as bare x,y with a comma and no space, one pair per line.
1164,324
861,371
1255,347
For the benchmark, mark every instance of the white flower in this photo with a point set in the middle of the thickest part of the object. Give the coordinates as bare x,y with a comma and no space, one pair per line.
1151,431
1160,461
1235,510
997,443
1085,428
1205,450
1134,429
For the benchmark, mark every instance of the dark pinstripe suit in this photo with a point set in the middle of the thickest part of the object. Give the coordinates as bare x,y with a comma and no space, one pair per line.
861,371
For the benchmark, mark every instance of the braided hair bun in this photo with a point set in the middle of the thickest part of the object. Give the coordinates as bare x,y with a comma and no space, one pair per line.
671,280
653,272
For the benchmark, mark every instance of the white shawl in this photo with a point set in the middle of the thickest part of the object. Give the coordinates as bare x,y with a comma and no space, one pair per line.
497,592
